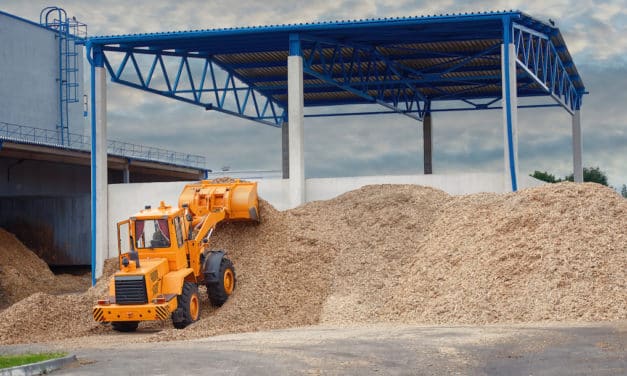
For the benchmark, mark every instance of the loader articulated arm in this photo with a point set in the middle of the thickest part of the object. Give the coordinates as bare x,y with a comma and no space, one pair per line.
207,223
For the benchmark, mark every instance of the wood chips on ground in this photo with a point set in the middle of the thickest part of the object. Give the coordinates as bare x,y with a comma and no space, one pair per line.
394,253
23,273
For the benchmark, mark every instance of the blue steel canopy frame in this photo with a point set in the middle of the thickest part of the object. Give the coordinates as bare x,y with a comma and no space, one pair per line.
232,95
406,65
398,63
538,57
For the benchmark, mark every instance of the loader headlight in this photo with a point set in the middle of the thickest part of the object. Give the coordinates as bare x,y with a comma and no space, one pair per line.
159,299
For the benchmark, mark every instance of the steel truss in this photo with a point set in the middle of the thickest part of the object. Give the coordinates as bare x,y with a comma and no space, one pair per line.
352,68
540,60
214,87
367,73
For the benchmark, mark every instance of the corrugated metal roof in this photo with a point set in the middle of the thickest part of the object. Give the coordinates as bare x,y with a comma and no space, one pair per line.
428,48
314,25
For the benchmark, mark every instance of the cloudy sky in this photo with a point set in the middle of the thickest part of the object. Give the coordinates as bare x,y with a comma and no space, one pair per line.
346,146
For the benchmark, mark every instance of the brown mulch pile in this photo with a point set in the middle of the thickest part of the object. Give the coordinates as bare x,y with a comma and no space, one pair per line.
23,273
557,252
398,253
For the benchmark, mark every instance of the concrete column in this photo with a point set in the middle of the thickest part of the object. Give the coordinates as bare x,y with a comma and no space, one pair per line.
102,237
577,148
296,119
510,116
428,144
99,176
285,146
126,174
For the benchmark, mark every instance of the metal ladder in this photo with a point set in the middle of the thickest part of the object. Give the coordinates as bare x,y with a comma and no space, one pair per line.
68,31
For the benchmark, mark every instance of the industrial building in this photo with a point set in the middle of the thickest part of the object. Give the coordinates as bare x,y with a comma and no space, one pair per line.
45,143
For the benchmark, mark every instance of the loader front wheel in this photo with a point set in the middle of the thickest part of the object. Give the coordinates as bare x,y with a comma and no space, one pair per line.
188,309
125,326
220,291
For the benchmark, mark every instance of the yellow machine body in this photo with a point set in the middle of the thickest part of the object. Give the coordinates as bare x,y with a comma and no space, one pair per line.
168,246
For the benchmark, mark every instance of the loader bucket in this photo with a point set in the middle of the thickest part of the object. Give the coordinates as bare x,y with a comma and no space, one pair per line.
238,199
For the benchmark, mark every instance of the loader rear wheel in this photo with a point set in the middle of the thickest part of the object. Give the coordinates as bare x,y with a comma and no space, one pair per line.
188,309
220,291
125,326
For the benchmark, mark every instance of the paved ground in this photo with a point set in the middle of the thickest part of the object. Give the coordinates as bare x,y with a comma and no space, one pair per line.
582,349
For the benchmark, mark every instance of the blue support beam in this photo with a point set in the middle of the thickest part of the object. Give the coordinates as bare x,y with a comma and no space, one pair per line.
232,95
509,107
295,45
538,57
351,68
454,109
96,59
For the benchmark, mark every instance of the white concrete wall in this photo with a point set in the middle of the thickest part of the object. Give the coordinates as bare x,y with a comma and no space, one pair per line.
127,199
460,184
29,91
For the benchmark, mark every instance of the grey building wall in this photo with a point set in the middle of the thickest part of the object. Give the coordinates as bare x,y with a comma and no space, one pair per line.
29,72
47,206
27,177
56,228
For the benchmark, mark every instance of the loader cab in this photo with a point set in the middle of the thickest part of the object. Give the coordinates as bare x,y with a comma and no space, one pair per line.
158,233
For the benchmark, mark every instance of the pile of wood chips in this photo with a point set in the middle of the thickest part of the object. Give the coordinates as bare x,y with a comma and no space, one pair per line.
396,253
23,273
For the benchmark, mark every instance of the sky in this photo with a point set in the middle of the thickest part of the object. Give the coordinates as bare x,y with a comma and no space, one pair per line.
392,144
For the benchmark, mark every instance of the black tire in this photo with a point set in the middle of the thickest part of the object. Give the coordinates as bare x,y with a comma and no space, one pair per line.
188,309
125,326
220,291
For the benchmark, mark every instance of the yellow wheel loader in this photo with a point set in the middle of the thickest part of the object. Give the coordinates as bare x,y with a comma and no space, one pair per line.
168,256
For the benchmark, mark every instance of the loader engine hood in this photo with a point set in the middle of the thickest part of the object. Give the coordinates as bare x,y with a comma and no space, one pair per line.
138,285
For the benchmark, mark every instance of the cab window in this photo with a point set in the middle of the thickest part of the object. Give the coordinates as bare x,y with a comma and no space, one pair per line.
152,233
179,231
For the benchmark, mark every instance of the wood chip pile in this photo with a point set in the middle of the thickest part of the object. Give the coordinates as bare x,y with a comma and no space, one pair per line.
397,253
23,273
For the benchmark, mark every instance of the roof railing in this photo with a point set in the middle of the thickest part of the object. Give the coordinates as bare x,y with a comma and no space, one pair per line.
49,137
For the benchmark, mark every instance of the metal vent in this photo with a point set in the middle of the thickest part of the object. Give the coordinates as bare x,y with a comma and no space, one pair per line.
130,289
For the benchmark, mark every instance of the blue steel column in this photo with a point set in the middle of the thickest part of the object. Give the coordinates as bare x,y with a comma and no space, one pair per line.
92,85
510,105
577,146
